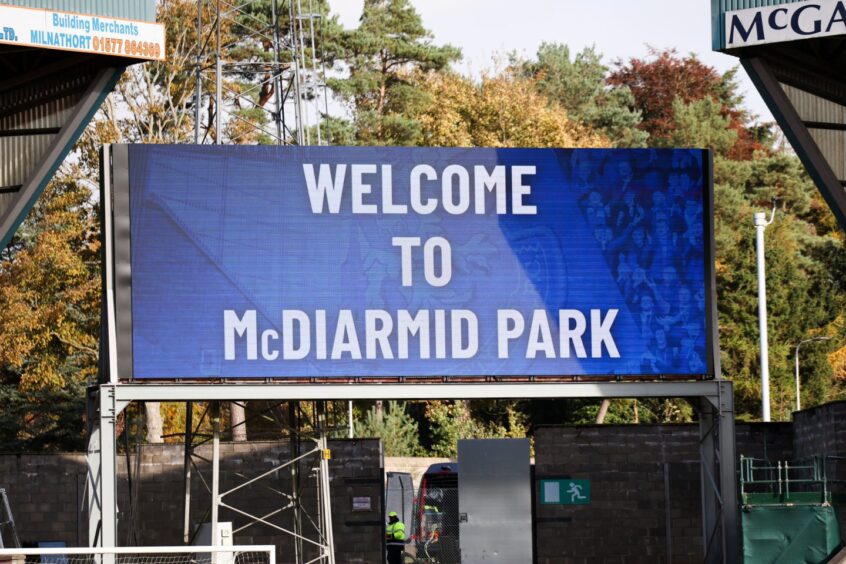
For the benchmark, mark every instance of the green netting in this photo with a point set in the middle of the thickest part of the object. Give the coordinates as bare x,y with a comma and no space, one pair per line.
790,534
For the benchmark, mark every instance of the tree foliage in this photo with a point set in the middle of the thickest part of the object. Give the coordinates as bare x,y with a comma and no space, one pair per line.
395,427
398,89
804,297
503,110
453,420
386,55
658,82
49,320
579,86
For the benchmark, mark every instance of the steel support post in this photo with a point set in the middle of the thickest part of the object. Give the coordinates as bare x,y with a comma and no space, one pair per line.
720,523
711,536
189,450
108,466
215,493
728,473
324,494
92,458
294,423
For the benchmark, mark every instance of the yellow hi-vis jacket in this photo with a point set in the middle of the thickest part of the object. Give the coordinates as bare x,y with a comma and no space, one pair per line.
395,533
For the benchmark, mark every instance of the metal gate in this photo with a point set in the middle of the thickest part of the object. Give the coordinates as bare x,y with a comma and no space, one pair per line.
494,500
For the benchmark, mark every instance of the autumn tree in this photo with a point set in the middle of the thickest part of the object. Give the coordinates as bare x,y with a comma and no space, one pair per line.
502,110
658,82
49,320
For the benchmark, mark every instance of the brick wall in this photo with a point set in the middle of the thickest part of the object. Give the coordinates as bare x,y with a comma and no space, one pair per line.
771,441
645,490
46,490
820,430
45,493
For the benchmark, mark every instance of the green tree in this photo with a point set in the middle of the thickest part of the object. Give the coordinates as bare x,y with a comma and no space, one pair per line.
395,427
386,57
804,297
450,421
578,84
700,124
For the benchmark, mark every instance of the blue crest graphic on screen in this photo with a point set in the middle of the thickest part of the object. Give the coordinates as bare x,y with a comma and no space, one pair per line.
273,262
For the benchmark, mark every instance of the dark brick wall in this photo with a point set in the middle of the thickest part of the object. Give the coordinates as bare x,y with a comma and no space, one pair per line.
820,430
645,490
45,493
46,490
771,441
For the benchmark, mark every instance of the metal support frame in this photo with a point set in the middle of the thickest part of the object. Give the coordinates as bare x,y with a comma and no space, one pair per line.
765,80
718,474
102,83
712,398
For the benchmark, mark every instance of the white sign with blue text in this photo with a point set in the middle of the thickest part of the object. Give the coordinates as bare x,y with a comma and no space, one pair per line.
86,33
784,22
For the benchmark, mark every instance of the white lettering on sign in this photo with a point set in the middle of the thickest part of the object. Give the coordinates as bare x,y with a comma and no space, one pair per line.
401,334
428,189
784,22
383,334
103,35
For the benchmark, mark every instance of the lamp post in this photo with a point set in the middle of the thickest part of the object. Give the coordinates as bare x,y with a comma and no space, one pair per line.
796,359
761,223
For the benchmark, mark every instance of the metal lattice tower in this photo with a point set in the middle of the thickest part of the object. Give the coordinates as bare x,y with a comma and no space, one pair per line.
259,77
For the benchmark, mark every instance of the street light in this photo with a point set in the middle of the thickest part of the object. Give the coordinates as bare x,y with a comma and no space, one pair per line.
761,223
796,358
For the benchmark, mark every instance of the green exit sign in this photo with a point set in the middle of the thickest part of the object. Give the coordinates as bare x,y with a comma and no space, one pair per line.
565,492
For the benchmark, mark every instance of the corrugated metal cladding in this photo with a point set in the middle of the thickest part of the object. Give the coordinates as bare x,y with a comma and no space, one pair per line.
144,10
38,110
720,7
831,142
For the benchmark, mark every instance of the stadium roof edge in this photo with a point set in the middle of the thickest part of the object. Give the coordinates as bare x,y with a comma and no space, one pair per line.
142,10
795,53
65,56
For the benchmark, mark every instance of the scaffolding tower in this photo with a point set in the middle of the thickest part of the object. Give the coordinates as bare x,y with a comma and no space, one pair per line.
258,72
259,79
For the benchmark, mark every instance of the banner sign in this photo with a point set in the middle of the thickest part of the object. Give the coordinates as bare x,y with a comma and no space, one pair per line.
87,33
784,22
275,262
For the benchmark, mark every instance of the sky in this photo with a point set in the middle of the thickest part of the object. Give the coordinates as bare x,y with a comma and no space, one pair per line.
619,29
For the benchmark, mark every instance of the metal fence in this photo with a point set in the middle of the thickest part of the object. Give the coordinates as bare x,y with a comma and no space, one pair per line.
431,521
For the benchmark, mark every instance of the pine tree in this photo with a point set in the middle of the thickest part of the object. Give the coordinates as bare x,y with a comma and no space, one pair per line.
579,86
386,56
395,427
